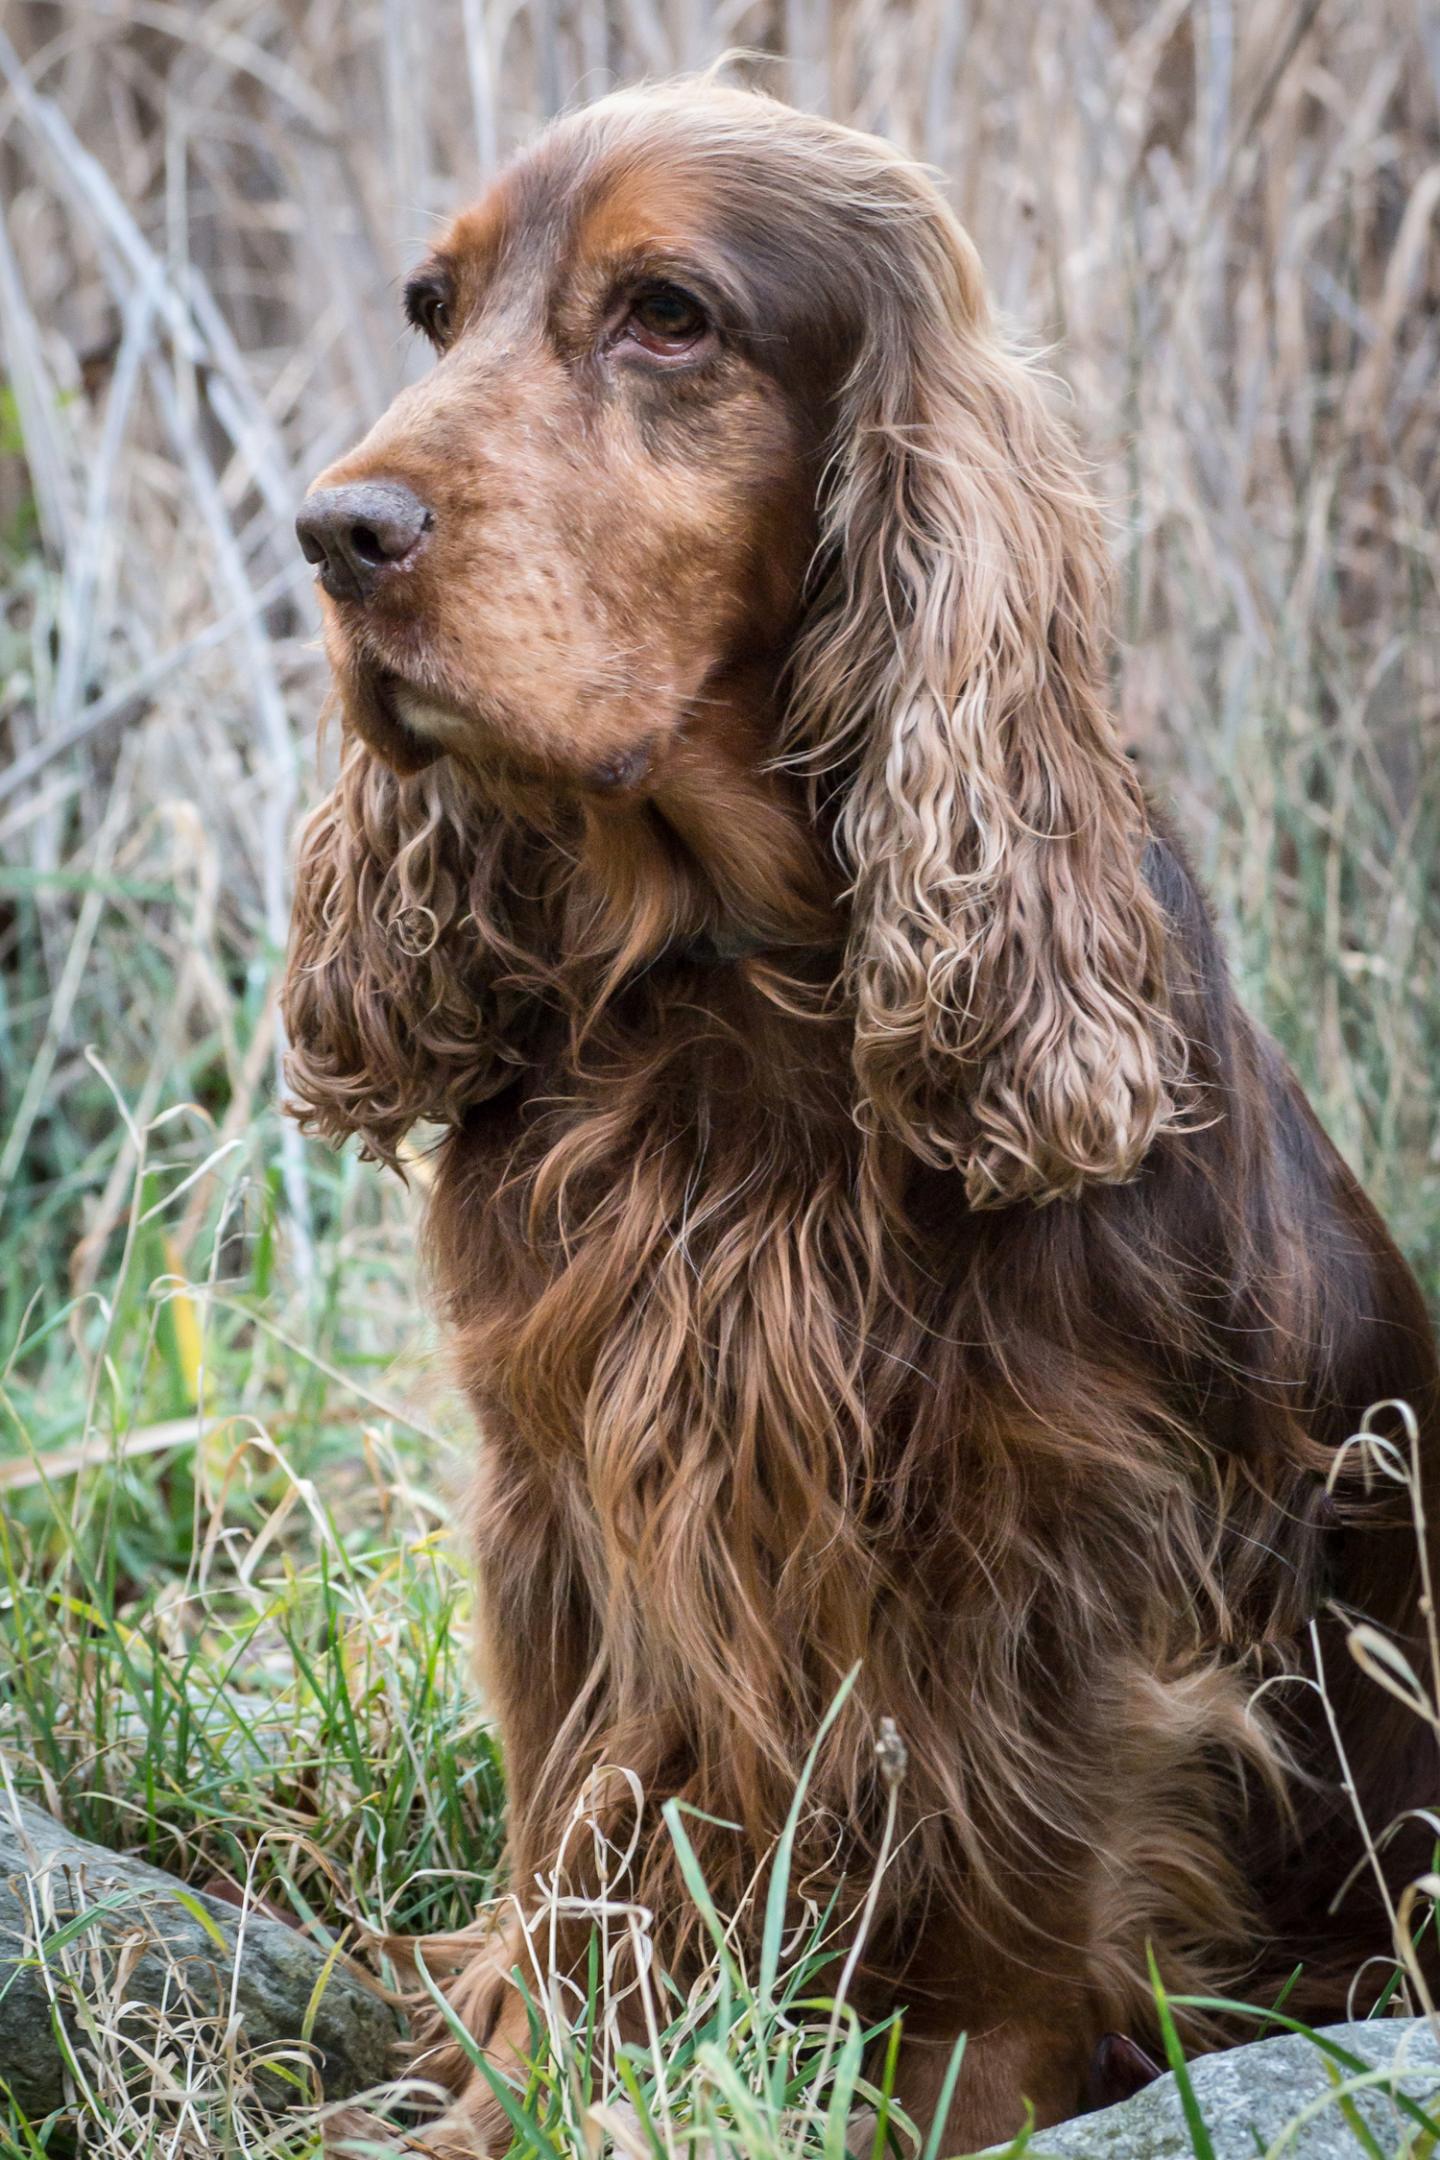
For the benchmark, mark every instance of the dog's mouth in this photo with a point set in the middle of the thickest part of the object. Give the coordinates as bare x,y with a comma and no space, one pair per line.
411,726
384,711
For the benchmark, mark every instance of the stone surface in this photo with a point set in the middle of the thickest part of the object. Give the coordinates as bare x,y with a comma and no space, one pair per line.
47,1875
1249,2095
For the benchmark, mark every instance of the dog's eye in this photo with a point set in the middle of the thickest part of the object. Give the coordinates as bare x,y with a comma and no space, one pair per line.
666,320
428,308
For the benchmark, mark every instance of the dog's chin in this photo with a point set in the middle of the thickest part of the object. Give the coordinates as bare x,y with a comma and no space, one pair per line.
378,708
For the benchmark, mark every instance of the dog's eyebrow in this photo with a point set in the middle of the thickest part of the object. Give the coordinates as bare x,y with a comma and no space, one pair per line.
648,219
704,274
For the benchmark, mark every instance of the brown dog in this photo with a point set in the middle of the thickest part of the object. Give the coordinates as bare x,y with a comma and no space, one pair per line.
872,1233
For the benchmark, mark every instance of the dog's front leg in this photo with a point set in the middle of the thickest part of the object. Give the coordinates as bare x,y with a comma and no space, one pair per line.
1022,2068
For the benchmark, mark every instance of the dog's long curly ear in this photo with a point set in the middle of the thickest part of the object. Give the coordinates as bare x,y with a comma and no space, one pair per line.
401,994
1007,958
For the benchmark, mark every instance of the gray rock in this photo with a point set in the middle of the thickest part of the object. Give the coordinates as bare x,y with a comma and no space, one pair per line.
1249,2095
143,1946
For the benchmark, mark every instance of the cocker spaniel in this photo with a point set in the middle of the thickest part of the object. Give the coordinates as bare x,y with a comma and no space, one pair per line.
873,1236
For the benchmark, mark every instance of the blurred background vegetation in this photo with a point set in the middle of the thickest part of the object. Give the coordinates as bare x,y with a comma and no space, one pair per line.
224,1431
1222,215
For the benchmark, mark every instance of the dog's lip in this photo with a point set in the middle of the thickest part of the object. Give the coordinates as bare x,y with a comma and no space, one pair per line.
438,719
370,694
422,724
383,685
392,666
406,698
623,773
394,690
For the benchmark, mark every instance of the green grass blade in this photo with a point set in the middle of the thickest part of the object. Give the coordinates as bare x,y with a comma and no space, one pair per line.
1200,2139
778,1889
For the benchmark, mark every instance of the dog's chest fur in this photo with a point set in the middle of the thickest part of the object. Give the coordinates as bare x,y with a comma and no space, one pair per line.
744,1435
672,1214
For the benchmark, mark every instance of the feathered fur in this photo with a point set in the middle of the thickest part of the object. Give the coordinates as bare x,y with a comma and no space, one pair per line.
870,1231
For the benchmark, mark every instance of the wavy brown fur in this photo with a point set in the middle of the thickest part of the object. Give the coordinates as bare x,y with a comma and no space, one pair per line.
870,1231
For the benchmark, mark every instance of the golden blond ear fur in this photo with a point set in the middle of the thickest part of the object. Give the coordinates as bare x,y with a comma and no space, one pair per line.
406,992
1006,961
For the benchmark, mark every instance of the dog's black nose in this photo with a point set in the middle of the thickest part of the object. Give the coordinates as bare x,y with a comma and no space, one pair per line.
358,535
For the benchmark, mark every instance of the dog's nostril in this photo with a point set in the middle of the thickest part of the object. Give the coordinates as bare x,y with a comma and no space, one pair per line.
367,545
357,534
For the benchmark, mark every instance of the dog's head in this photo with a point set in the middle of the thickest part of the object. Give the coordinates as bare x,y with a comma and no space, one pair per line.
725,526
597,509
